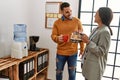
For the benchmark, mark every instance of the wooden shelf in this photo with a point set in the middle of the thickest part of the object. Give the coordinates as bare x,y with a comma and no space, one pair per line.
9,65
12,65
7,62
40,76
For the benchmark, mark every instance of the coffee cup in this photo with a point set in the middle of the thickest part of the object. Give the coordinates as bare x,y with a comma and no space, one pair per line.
65,38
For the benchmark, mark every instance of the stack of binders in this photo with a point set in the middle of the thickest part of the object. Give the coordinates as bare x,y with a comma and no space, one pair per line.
26,69
45,59
42,61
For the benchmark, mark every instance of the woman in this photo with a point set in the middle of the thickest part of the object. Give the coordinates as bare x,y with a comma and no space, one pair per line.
97,46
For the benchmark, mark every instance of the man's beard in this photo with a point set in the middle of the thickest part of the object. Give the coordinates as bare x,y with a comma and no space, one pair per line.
69,17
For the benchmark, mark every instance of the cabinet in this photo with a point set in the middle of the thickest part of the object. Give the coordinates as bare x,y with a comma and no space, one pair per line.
31,67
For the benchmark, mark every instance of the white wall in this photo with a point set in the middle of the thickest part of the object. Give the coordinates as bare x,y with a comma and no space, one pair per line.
31,13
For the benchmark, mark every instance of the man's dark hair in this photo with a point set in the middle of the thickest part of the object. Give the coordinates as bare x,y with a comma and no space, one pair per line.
64,4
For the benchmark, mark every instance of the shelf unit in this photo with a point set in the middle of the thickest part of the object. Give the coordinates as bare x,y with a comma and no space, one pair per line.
8,65
27,68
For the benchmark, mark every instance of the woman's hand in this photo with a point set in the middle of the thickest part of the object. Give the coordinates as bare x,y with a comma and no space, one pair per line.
85,38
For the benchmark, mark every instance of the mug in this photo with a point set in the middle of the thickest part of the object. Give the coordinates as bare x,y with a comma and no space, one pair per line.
65,38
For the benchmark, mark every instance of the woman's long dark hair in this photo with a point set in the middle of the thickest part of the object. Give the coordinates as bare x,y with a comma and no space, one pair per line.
106,16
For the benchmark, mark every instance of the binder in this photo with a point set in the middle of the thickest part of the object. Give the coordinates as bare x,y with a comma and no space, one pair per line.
31,68
45,59
26,69
23,71
24,77
40,62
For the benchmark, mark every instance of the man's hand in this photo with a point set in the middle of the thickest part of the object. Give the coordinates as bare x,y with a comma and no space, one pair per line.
60,38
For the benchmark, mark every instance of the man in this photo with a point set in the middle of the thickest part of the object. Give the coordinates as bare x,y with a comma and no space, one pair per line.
66,50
